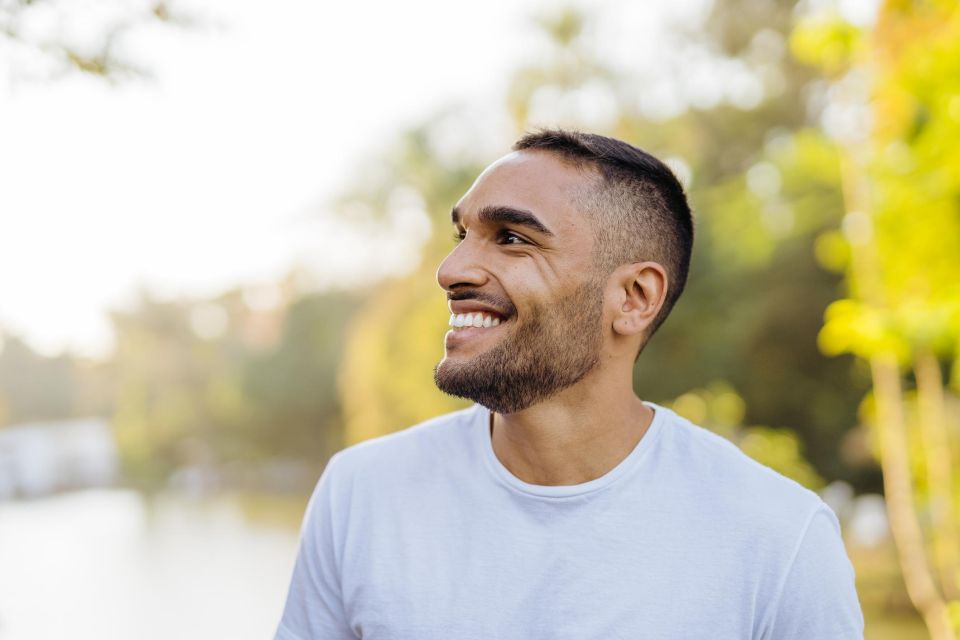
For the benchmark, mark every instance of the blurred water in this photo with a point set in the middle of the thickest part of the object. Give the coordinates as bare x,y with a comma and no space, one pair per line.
111,564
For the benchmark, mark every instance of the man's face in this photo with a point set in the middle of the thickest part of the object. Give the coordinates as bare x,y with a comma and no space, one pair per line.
523,279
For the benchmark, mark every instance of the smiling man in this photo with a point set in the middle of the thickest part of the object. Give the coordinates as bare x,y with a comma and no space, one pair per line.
561,505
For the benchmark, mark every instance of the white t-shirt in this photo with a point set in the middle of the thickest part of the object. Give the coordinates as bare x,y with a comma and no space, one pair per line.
425,535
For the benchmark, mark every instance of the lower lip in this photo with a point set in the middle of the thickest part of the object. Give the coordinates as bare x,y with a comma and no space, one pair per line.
458,337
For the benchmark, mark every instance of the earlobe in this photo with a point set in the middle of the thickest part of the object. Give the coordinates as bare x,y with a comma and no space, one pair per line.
626,325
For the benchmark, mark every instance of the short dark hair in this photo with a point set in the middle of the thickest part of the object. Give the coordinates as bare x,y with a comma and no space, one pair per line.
637,209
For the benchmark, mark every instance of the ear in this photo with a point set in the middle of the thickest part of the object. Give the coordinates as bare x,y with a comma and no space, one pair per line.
641,289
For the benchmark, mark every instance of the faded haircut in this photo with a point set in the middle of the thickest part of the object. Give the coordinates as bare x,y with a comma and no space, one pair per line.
636,206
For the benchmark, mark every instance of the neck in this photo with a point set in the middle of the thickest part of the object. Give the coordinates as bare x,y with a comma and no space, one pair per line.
575,436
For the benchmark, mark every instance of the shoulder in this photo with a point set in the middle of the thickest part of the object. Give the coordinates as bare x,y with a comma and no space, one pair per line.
439,438
785,532
727,481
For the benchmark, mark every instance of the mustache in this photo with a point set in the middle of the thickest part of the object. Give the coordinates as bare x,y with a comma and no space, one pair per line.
502,305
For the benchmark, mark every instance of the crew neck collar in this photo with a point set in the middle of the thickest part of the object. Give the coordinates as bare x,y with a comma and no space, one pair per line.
481,424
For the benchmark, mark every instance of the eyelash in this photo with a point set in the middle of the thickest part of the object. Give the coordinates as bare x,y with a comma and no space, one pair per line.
458,237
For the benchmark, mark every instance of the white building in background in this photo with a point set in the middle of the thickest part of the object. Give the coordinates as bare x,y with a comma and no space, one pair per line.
43,457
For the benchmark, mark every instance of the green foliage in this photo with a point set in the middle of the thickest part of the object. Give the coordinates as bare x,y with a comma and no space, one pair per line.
827,41
209,382
906,286
387,377
293,384
861,329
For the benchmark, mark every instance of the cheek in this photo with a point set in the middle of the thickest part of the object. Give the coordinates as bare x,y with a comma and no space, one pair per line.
531,275
518,277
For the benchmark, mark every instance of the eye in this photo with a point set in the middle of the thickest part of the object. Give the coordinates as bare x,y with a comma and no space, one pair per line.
509,237
459,235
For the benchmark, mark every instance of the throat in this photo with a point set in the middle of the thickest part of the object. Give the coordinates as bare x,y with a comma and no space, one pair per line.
558,456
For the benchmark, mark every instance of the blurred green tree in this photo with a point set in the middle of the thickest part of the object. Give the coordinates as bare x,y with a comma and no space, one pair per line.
900,247
292,385
210,382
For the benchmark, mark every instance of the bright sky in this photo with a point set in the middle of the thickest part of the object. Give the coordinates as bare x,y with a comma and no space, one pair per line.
201,178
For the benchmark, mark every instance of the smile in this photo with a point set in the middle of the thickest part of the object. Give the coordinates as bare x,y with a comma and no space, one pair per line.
478,320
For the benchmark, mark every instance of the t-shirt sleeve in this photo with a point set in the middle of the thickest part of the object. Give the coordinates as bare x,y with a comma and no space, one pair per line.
819,597
314,607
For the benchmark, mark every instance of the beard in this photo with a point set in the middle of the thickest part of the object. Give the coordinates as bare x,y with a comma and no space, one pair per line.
553,349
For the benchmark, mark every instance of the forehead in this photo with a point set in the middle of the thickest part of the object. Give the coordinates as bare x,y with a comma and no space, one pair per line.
535,181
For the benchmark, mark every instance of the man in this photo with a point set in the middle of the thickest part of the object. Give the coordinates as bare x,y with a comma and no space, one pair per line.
561,506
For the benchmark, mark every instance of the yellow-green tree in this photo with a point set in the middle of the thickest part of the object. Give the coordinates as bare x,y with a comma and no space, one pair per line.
901,243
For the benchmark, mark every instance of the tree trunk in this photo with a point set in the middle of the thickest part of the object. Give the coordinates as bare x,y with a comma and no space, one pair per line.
898,489
938,457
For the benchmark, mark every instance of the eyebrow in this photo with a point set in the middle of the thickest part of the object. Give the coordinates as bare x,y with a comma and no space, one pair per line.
503,214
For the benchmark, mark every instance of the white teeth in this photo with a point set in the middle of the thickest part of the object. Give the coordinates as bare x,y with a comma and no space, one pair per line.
478,320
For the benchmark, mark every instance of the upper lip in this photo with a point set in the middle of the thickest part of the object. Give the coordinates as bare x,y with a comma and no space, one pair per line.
469,306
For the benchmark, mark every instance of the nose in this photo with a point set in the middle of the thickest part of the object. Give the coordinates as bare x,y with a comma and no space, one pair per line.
462,267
